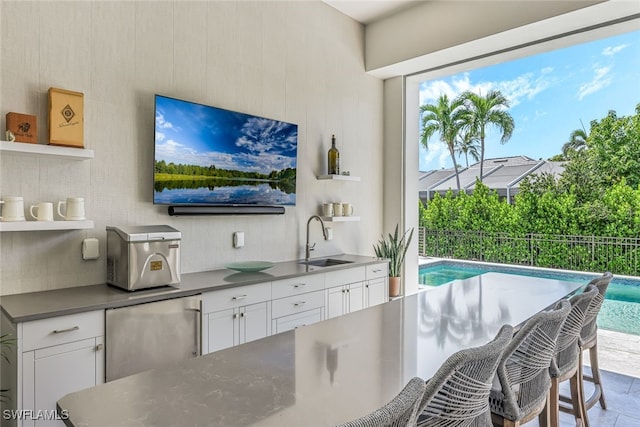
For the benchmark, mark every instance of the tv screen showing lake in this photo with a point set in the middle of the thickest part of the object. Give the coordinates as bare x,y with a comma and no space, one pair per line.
203,193
211,156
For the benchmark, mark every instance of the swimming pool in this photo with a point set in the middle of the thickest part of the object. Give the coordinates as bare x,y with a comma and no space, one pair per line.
620,312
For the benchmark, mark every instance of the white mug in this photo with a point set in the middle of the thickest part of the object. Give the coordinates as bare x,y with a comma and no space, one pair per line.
327,209
12,209
74,207
347,209
45,211
337,209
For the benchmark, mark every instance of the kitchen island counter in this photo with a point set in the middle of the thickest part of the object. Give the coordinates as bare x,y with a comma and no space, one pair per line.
44,304
322,374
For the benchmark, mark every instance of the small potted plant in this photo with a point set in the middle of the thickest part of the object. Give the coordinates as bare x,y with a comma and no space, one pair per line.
394,248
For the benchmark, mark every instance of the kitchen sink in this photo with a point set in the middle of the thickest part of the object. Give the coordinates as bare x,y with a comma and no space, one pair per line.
325,262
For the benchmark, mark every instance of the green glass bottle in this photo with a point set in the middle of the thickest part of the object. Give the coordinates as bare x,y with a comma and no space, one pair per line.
333,158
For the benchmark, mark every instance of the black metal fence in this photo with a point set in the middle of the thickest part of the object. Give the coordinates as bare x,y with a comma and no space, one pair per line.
584,253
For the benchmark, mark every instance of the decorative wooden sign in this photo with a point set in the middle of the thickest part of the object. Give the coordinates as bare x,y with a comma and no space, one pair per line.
66,118
23,126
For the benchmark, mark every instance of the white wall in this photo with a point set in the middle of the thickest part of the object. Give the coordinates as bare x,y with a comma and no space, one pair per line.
301,62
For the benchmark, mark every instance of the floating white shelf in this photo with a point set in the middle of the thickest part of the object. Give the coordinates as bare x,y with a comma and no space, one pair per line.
339,177
46,225
46,150
340,218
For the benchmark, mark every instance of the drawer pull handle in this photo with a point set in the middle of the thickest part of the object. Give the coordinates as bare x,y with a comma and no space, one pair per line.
238,297
300,285
60,331
377,270
99,347
299,303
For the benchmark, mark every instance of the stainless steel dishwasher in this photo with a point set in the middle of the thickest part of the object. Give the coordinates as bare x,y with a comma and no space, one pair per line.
146,336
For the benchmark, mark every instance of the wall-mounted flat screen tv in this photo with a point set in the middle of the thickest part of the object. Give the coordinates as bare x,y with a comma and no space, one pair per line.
209,156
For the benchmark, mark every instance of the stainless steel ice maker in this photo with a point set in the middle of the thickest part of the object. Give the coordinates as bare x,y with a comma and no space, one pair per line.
140,257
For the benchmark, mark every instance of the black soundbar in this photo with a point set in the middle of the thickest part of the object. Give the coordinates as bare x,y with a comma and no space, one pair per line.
225,210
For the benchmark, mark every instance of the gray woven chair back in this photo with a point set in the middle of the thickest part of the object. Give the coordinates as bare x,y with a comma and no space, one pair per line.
524,369
566,357
402,411
458,393
590,328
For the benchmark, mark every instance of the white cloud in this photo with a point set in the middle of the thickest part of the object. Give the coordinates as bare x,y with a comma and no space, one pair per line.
260,135
601,79
161,123
612,50
526,85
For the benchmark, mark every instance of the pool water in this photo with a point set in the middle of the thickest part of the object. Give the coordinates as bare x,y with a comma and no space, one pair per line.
620,312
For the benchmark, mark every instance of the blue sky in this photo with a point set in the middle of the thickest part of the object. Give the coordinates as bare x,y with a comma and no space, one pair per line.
195,134
551,95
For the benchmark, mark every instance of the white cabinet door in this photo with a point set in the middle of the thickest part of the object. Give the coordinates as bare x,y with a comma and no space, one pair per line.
221,330
254,322
376,292
355,296
57,371
345,299
235,326
335,302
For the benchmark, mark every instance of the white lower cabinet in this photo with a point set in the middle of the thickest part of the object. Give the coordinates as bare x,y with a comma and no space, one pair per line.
345,291
234,316
286,323
375,292
60,355
376,288
235,326
60,370
297,310
345,299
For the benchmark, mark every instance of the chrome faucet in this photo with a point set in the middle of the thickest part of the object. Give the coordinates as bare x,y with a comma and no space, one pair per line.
309,248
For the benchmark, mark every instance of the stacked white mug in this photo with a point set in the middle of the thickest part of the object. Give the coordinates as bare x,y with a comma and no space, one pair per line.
44,211
74,207
327,210
12,209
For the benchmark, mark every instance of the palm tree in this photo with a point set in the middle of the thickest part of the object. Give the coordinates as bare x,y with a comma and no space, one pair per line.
468,145
577,141
481,112
443,117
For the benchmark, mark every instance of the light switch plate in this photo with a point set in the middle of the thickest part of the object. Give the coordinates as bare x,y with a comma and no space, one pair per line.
90,248
238,239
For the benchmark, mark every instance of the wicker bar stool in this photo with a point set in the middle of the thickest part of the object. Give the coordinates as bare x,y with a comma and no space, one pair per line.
566,363
458,394
523,372
400,412
589,340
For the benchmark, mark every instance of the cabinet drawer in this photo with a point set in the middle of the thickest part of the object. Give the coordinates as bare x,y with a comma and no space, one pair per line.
377,270
293,321
235,297
62,329
297,285
344,277
296,303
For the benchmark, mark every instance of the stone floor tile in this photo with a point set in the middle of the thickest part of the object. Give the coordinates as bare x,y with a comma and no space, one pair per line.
625,421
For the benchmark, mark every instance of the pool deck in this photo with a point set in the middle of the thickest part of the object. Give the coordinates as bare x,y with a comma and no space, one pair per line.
619,357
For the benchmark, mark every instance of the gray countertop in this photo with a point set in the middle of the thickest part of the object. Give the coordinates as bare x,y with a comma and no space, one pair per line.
58,302
322,374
